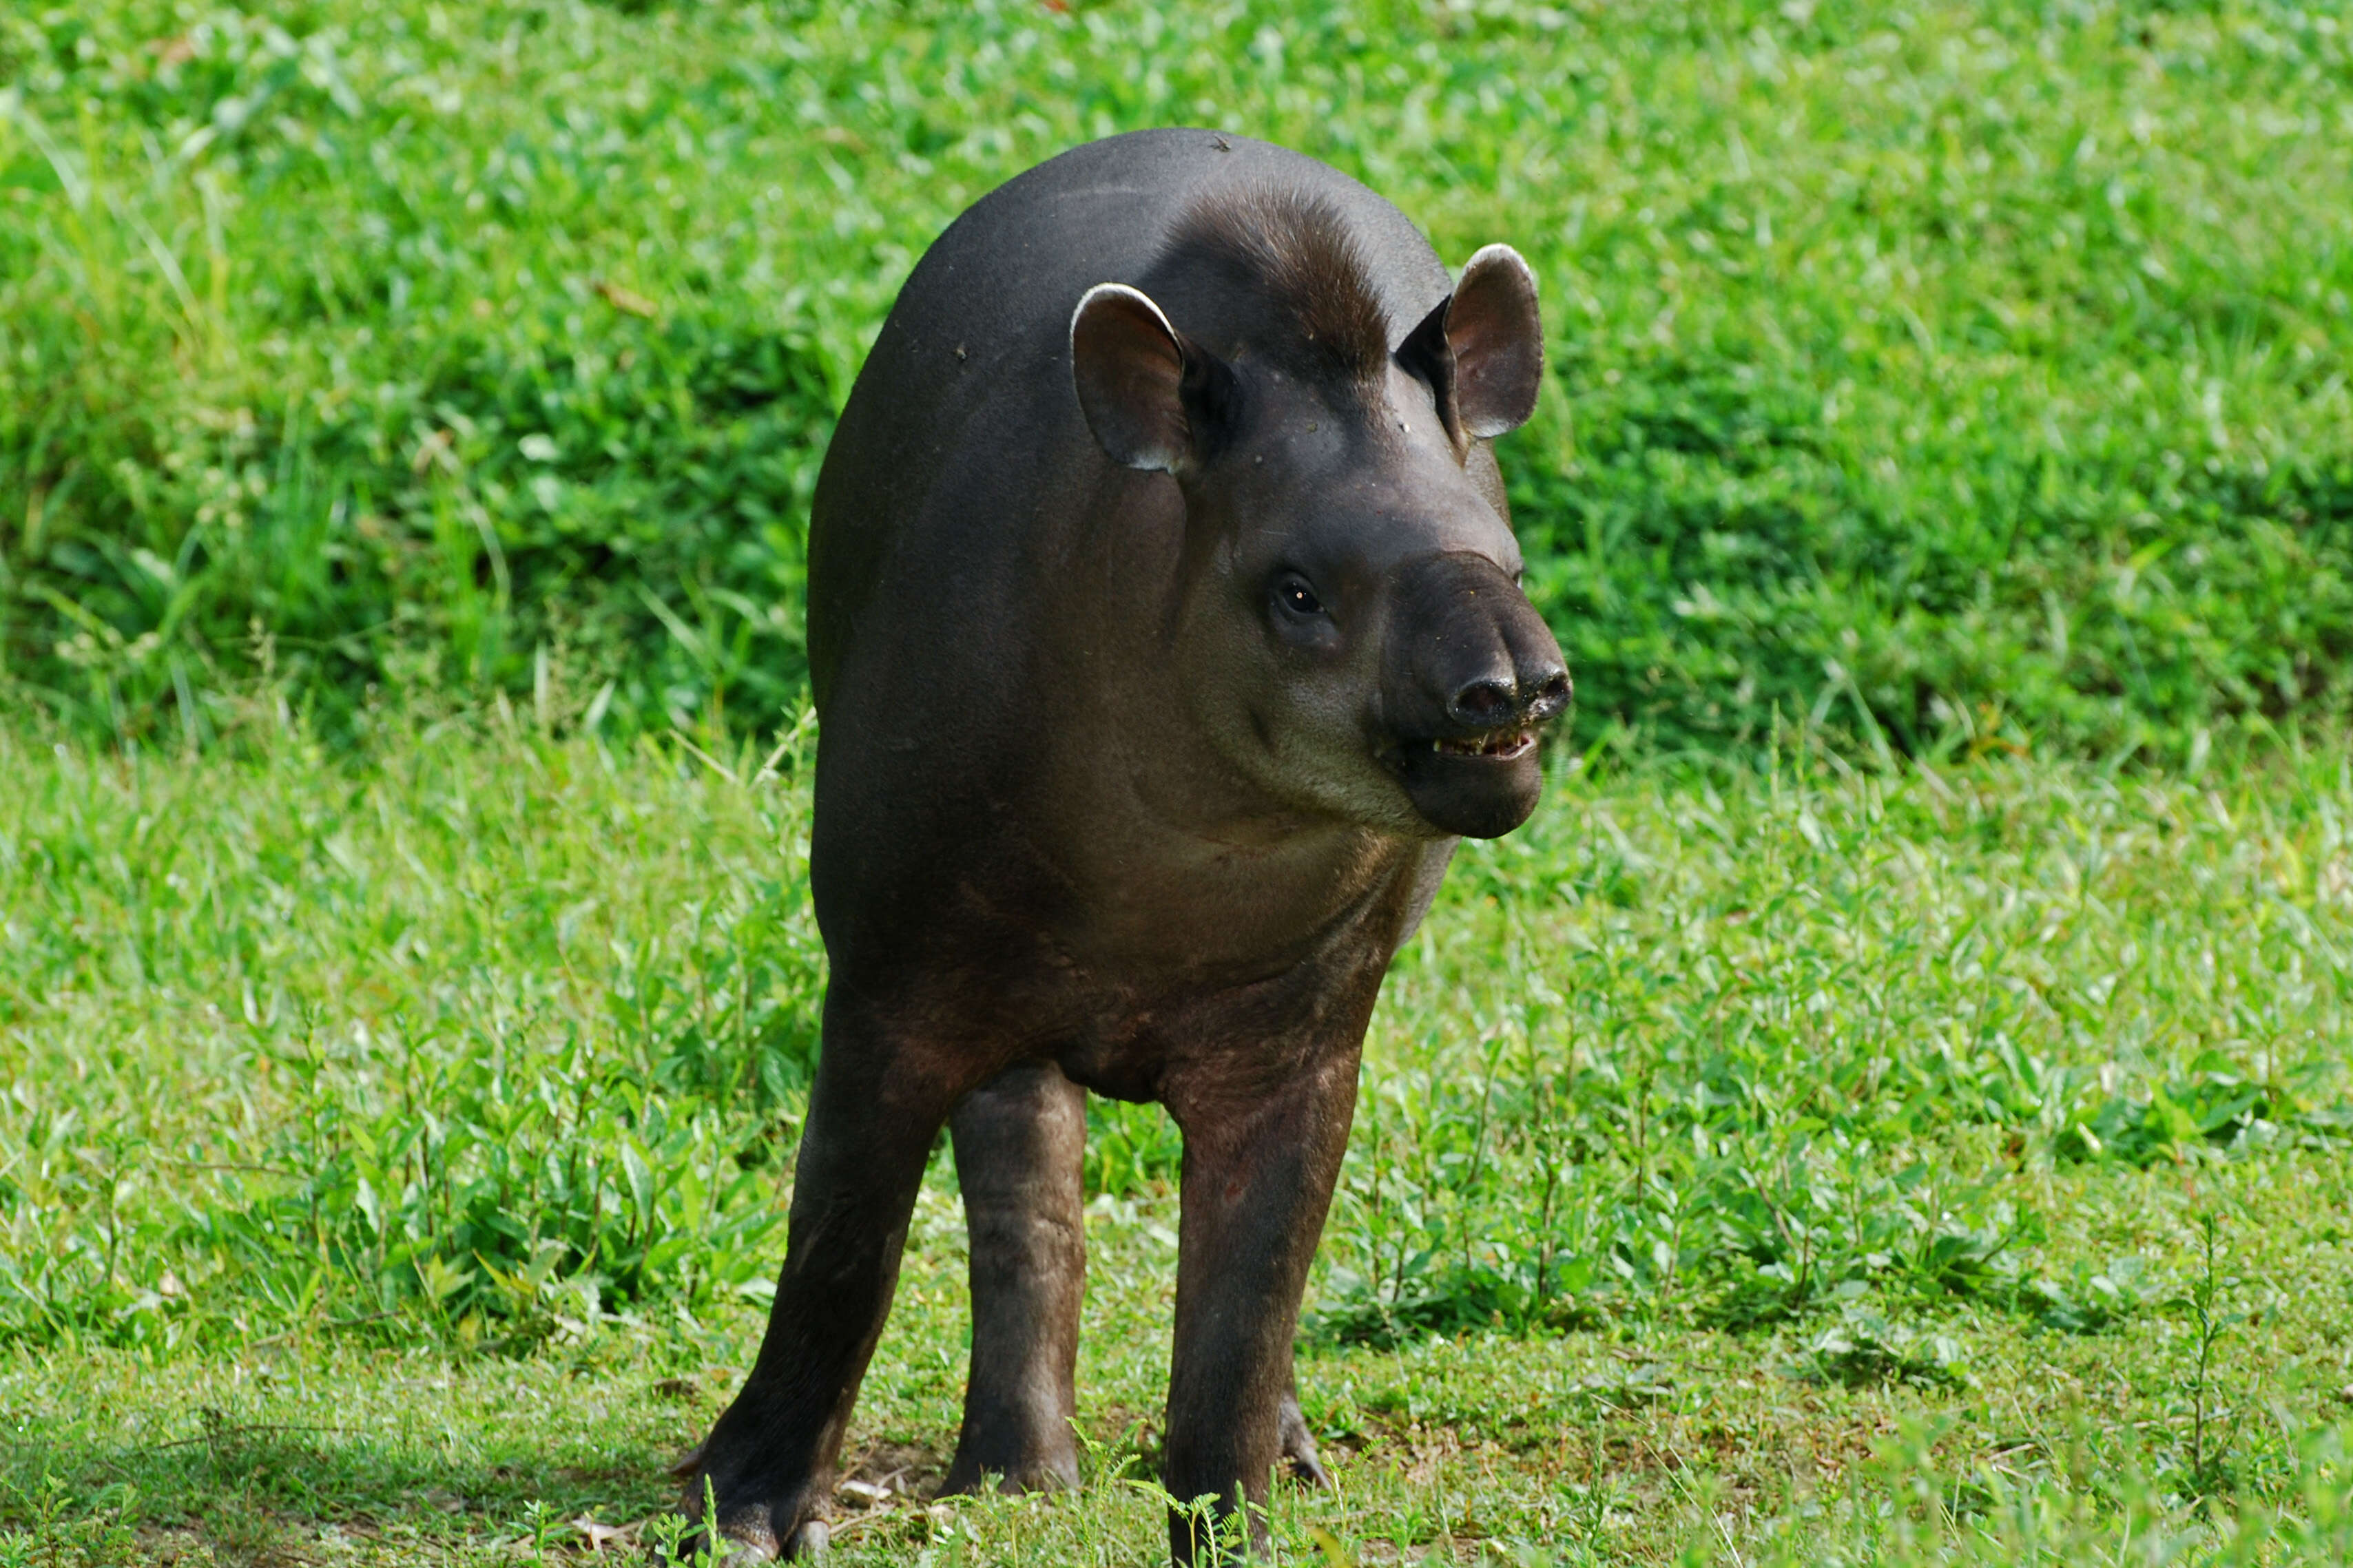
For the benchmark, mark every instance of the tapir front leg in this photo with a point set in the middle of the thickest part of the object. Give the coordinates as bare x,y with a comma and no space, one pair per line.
1020,1150
1258,1177
874,1110
1021,1155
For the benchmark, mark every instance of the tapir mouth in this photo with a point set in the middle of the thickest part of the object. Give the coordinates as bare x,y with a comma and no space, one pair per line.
1504,744
1479,785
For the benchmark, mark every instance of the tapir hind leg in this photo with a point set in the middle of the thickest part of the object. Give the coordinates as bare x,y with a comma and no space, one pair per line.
1020,1145
1259,1172
874,1112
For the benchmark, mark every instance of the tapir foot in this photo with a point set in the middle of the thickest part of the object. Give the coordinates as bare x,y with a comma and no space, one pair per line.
750,1536
1299,1446
1054,1471
785,1528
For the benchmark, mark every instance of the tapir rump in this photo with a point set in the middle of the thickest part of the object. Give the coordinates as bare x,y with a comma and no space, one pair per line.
1166,634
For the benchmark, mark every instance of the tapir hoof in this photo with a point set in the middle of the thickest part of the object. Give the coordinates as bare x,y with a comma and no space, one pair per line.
734,1548
735,1553
747,1536
745,1543
1051,1472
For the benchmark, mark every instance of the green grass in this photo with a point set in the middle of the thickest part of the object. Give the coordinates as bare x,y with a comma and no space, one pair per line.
1795,1165
1890,1107
1959,372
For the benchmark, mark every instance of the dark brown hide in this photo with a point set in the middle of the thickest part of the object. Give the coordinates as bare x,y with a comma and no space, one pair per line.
1165,631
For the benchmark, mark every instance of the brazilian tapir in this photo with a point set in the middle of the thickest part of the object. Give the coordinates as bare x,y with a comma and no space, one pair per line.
1166,629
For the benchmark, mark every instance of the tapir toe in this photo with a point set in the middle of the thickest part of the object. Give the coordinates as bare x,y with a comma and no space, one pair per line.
1298,1449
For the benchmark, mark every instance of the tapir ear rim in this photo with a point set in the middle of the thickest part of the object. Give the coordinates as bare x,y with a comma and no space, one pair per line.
1127,365
1496,333
1134,297
1498,254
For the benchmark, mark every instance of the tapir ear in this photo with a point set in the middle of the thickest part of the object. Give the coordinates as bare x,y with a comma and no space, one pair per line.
1498,341
1482,350
1153,398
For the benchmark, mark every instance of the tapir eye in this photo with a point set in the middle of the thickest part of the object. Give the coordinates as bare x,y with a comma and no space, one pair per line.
1293,594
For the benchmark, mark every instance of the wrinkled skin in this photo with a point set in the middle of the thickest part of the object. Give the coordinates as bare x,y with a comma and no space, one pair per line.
1157,678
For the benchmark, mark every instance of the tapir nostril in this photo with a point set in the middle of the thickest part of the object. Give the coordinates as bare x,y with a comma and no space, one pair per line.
1484,704
1550,697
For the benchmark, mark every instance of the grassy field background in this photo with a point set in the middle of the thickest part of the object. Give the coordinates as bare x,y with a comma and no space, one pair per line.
1891,1106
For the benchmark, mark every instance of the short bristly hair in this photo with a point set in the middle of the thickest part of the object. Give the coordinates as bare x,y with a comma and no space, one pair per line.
1288,276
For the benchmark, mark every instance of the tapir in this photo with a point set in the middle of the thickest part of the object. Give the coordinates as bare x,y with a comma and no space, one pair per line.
1166,633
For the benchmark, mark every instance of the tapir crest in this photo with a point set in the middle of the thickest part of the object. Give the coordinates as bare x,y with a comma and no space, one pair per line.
1166,635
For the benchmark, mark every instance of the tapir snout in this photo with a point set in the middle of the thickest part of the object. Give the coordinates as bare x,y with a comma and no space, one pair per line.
1473,677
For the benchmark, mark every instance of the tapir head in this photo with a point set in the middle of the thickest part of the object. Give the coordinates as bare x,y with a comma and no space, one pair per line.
1348,625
